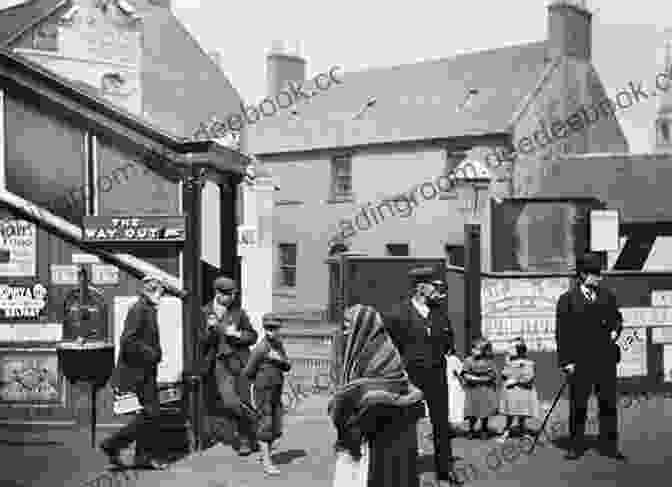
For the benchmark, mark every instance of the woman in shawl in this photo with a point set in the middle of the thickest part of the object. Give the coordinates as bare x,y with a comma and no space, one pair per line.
375,406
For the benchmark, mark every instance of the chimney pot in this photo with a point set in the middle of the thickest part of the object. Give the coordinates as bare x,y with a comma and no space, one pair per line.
283,66
569,29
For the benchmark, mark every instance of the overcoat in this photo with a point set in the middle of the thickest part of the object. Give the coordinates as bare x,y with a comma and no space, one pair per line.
140,348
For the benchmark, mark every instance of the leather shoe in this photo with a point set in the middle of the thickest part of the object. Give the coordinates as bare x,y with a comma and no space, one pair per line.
150,463
450,478
614,453
112,455
574,454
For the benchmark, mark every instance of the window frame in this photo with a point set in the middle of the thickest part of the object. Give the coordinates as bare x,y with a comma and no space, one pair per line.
452,157
280,281
391,245
336,196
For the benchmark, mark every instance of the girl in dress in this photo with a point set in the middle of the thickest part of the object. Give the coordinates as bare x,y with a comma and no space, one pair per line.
455,389
519,396
480,383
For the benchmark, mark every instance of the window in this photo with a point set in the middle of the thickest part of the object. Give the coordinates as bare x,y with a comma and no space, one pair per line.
454,255
341,177
397,249
452,159
45,38
287,267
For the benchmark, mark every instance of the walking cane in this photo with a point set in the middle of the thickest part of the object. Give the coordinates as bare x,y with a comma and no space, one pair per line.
548,415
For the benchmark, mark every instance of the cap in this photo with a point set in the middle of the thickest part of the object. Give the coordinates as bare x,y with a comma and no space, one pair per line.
224,284
591,263
271,322
425,274
150,278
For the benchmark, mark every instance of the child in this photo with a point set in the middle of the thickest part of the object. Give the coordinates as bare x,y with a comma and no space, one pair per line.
455,389
519,396
267,364
480,384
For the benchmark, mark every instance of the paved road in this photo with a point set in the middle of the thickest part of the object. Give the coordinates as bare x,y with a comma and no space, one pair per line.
305,457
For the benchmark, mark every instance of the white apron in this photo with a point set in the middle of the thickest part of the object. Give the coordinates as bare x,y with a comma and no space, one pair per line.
350,472
455,391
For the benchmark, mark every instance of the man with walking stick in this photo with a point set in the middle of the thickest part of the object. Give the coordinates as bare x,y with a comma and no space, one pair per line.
588,324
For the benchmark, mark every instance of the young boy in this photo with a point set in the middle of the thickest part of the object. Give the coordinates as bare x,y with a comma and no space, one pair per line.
266,366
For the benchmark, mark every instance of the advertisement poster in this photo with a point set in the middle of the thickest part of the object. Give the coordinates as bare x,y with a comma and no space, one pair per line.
22,301
667,363
30,377
521,307
18,240
633,353
170,334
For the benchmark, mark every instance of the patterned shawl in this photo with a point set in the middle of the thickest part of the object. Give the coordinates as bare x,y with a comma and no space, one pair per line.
372,373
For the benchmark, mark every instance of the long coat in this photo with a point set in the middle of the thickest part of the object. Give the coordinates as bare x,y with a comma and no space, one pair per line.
233,351
583,329
140,348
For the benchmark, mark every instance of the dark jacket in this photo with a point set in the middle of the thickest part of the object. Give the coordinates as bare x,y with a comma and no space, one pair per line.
408,330
215,344
583,329
265,371
140,348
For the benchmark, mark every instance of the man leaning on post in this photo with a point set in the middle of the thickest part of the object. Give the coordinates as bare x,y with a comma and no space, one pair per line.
588,325
136,371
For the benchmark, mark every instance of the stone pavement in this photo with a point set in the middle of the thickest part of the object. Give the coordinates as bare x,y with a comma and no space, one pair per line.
306,458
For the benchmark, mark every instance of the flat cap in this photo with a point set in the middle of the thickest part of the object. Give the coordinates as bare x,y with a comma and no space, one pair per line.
269,321
426,274
590,262
224,284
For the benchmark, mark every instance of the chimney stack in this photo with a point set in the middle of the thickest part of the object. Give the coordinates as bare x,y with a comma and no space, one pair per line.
569,30
283,66
216,57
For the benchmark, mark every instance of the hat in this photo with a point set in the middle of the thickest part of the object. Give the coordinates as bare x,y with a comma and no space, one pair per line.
425,274
590,263
271,322
224,284
153,278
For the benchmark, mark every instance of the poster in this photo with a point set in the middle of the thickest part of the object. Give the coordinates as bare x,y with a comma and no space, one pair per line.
30,377
633,352
170,334
513,307
667,363
18,239
22,301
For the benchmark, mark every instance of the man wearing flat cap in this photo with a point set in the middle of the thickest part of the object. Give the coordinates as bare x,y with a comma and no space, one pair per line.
421,330
136,372
226,338
588,325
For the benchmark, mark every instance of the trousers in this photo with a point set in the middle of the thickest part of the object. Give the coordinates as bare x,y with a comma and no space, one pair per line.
434,385
581,383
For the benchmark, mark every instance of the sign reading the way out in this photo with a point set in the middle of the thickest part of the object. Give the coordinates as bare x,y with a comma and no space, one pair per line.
136,229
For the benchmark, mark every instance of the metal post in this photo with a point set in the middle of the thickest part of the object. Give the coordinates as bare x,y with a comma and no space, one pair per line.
472,284
191,311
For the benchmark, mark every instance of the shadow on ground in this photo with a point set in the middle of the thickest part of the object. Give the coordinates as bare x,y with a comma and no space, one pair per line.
288,456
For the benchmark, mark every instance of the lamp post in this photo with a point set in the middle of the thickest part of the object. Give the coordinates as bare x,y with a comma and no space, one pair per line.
472,179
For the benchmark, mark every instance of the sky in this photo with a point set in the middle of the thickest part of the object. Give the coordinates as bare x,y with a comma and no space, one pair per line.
628,38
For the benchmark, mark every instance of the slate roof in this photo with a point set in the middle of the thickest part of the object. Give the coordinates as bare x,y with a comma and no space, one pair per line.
412,102
635,184
181,85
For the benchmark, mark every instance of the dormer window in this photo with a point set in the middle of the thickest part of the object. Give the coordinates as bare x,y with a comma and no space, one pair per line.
115,84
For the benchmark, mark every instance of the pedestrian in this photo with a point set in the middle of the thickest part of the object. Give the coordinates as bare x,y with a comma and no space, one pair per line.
136,372
266,368
226,338
588,325
455,389
420,329
519,398
374,409
480,383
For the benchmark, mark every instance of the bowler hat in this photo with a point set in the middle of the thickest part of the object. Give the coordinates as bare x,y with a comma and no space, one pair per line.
224,284
271,322
589,263
425,274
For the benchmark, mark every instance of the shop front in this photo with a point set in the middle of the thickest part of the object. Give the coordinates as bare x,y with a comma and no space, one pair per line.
92,200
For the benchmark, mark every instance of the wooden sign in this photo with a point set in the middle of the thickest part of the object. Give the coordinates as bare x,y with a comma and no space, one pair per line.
64,274
23,301
104,274
134,229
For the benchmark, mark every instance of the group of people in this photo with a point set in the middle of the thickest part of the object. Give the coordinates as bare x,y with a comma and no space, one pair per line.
392,368
388,372
227,364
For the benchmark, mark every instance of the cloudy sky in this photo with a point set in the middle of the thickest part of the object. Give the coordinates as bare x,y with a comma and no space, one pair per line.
628,37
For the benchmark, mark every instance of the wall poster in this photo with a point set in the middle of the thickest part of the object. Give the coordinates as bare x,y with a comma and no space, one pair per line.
18,244
514,307
23,301
170,334
29,377
633,352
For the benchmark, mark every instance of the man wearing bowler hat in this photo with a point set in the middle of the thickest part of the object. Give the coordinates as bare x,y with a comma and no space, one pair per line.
421,330
588,325
226,338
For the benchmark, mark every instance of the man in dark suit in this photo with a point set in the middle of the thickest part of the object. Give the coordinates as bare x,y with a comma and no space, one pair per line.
588,324
136,371
226,338
422,332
